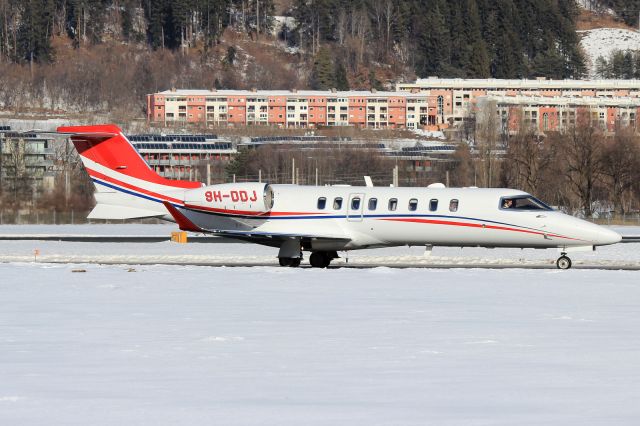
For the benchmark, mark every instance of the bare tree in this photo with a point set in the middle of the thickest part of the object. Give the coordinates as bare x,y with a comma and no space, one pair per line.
582,148
525,161
621,163
487,138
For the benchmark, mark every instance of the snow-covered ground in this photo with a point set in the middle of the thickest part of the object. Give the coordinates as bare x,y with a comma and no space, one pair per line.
604,41
620,255
280,346
431,134
288,346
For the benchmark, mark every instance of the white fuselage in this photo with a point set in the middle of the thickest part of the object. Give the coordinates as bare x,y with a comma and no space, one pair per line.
401,216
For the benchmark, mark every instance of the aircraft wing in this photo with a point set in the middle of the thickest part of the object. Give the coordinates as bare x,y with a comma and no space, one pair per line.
274,235
186,224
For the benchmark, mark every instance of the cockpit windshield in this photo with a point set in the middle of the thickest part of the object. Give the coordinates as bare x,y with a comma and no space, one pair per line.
525,202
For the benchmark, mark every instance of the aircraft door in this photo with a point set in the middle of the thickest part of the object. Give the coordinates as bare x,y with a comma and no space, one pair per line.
354,208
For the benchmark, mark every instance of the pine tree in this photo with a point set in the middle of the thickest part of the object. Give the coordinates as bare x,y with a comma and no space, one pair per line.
342,83
617,64
627,65
322,75
636,65
34,37
602,68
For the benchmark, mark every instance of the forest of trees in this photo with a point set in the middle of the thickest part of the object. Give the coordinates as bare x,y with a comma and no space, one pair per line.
27,26
465,38
619,64
452,38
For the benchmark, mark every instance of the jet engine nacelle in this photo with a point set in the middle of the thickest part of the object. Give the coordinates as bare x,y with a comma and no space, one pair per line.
233,198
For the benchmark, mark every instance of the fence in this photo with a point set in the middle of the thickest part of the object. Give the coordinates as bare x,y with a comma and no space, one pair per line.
24,217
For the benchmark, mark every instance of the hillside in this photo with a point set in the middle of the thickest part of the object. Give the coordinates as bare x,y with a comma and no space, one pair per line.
104,56
609,43
604,42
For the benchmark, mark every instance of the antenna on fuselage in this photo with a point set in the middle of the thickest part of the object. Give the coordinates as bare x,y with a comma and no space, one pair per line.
368,182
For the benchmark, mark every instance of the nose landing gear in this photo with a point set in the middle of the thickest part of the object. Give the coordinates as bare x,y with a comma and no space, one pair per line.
563,261
292,262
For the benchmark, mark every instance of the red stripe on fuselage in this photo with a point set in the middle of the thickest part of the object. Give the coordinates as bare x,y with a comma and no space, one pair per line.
476,225
113,181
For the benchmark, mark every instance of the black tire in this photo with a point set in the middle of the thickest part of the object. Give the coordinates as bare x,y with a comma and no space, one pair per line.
563,263
293,262
285,261
319,259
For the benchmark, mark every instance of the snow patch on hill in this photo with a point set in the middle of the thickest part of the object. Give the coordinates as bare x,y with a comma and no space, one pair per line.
604,41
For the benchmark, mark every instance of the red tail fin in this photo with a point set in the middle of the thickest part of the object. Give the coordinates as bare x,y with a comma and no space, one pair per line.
106,145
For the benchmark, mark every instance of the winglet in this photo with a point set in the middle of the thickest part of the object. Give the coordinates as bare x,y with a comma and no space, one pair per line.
183,222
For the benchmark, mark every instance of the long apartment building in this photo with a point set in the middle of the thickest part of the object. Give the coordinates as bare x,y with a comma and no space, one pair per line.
550,114
460,96
308,108
430,103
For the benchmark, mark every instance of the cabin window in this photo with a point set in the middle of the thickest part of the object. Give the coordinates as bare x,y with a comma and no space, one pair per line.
373,203
413,205
433,205
355,203
322,203
337,203
453,205
393,204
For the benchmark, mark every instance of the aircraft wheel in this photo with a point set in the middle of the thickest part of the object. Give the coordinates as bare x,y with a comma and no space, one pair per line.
290,261
319,259
563,262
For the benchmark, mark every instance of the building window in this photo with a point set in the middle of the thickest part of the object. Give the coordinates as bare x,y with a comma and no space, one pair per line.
393,204
322,203
545,121
373,203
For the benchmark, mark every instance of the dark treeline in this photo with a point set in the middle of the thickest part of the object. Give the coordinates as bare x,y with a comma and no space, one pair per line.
27,26
453,38
459,38
619,65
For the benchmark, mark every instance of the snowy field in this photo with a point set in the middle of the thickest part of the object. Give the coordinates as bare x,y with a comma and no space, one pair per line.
621,255
166,345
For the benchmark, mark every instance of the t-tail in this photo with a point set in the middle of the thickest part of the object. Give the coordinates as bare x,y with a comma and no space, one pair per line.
126,187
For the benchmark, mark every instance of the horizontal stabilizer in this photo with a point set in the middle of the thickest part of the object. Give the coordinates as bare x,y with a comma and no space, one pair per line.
108,211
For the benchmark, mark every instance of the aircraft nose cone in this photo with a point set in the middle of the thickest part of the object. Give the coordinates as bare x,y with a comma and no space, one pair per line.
607,236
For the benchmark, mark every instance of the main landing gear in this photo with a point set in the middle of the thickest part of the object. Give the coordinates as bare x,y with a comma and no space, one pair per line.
322,259
563,261
290,255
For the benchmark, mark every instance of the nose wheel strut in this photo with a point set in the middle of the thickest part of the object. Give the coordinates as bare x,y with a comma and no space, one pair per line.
563,261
